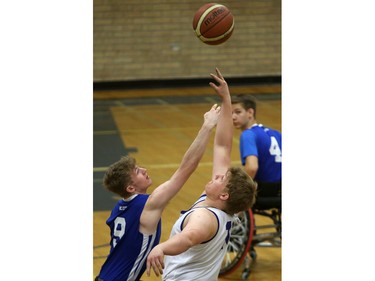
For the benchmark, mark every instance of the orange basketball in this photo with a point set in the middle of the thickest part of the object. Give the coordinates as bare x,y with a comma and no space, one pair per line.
213,23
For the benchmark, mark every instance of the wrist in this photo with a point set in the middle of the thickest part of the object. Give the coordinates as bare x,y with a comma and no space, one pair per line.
207,125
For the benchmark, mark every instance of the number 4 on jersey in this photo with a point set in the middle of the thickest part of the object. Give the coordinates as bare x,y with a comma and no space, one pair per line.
275,149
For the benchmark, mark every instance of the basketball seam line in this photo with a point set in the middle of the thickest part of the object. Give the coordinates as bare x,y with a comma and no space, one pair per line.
198,29
205,39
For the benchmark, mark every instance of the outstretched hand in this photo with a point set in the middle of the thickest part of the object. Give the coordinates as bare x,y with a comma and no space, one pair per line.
211,117
222,87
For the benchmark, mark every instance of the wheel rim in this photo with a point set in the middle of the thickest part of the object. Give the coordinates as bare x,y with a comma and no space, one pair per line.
239,243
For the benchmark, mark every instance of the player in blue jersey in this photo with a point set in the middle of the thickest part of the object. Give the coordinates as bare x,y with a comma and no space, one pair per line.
135,222
199,238
260,149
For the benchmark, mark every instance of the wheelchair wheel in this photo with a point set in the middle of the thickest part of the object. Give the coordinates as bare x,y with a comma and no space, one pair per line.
241,235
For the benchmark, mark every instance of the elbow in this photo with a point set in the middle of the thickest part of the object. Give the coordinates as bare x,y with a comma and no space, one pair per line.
251,172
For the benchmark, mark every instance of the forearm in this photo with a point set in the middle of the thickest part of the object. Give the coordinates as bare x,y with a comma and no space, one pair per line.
224,130
196,150
251,171
251,166
172,247
160,197
176,245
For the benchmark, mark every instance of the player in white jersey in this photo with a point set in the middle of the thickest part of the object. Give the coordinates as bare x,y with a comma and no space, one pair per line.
203,261
198,241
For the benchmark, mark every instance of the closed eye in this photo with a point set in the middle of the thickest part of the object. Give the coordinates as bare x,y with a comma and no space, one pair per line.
219,177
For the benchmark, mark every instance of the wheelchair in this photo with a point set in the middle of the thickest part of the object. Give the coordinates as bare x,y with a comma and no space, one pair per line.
245,234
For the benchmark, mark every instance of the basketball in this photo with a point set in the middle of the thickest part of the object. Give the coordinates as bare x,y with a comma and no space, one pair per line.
213,23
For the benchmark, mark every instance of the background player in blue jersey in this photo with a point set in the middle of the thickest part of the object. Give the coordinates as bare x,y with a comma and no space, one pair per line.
135,222
199,238
260,148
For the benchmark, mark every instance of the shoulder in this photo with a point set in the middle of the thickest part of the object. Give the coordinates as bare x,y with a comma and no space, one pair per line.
265,129
248,133
220,214
138,200
209,215
275,132
201,225
258,128
200,215
202,211
142,196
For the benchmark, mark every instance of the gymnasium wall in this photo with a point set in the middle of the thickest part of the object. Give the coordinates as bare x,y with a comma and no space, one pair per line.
146,40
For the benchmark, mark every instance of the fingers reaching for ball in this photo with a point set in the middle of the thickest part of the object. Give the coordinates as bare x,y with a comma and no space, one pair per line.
221,88
216,107
211,117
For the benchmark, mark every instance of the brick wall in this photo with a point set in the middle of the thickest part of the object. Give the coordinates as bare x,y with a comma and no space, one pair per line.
139,39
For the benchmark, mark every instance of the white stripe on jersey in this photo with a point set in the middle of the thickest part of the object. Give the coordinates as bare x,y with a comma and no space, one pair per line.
145,250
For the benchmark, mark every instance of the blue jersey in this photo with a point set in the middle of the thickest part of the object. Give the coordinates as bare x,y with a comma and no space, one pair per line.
129,248
265,144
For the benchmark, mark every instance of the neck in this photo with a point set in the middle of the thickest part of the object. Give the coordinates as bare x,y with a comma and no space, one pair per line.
249,124
208,202
130,197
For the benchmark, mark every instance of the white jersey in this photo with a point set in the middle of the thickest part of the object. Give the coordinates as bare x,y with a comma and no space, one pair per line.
201,262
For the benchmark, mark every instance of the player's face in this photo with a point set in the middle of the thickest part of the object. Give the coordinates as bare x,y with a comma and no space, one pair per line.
217,185
240,116
140,180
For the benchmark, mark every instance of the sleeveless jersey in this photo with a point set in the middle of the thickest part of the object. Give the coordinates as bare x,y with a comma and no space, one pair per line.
264,143
201,262
129,247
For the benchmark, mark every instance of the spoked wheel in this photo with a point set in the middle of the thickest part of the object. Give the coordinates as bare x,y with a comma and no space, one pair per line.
241,235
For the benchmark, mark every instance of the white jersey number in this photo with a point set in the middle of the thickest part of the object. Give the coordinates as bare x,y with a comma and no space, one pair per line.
118,230
275,150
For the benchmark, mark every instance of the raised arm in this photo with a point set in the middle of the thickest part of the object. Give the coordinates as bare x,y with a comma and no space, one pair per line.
163,193
224,129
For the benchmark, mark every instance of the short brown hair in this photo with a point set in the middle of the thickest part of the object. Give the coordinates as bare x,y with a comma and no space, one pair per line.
241,189
247,101
118,175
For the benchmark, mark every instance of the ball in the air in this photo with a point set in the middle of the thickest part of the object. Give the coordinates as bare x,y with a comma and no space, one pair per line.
213,23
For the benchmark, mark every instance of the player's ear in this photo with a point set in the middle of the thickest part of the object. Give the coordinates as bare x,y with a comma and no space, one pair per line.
130,188
224,196
250,111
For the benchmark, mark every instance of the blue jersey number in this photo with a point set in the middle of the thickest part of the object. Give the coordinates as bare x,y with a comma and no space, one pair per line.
118,230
